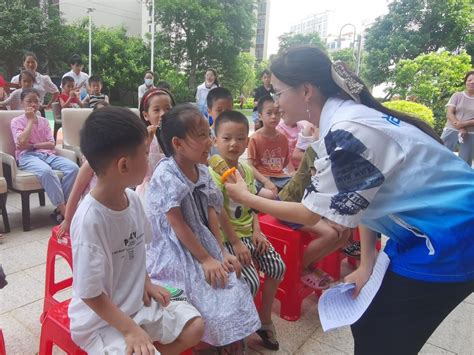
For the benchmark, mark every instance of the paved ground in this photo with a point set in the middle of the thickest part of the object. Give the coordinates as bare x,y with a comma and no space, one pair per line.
23,255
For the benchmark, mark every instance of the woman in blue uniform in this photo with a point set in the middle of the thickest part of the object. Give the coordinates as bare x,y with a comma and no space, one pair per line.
389,172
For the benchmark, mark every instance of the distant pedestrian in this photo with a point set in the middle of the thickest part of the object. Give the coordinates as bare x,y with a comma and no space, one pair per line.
147,85
265,90
459,129
202,90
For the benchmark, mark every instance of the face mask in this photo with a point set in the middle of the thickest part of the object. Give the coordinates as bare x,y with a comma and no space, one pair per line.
148,82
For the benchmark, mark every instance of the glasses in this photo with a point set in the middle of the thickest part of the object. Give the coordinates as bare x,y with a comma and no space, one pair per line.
276,95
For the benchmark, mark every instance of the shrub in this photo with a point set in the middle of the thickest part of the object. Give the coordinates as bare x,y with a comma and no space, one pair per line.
412,108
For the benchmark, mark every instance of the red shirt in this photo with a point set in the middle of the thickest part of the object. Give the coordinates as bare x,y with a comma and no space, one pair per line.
74,103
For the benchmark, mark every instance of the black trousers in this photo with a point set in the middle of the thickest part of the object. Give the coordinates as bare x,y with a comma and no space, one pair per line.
404,314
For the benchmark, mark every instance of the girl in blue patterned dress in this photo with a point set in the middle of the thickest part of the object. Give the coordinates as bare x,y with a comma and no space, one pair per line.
186,250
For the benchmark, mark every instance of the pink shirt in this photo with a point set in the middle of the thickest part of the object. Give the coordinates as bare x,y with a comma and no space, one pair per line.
291,133
40,133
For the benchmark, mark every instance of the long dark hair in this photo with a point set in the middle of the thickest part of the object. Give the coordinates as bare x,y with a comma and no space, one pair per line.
308,64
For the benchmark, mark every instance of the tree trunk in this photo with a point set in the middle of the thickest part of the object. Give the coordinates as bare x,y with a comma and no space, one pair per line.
192,76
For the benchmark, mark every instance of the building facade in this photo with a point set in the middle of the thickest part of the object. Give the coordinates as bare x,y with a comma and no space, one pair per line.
260,42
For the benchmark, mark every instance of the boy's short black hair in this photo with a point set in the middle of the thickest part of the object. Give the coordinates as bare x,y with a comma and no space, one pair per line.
261,102
109,132
218,94
95,79
28,73
100,104
265,72
67,79
163,85
230,116
26,92
75,59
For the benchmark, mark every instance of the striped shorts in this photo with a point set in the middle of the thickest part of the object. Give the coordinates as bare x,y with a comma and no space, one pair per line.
270,263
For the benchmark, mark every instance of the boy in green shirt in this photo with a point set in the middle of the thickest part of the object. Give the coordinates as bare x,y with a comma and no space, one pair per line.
240,228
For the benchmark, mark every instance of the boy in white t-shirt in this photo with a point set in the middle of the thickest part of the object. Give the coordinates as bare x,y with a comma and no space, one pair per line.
115,309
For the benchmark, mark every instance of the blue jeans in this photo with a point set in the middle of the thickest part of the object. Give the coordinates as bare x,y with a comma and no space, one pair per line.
42,165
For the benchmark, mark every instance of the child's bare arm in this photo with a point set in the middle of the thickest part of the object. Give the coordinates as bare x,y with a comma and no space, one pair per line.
241,251
267,183
83,179
137,340
214,270
186,235
231,263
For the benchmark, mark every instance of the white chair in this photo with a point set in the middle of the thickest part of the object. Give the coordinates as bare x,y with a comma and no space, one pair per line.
3,198
21,181
72,120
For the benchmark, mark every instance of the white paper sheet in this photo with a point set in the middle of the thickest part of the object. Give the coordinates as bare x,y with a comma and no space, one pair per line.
337,308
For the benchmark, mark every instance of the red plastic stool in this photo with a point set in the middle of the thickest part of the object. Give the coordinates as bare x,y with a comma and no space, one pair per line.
290,245
56,248
55,331
2,344
356,236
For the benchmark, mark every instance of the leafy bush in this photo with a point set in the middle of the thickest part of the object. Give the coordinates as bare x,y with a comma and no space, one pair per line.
412,108
248,104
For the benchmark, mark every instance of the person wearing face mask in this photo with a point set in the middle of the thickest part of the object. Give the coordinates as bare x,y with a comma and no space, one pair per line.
148,84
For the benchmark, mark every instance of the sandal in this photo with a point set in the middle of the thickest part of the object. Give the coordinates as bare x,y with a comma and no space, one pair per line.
318,280
353,250
269,341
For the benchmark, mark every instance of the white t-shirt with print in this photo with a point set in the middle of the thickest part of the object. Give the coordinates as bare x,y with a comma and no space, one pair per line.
108,257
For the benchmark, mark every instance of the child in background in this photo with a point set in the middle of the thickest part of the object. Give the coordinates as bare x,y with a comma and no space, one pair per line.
95,92
266,89
80,78
35,153
292,133
219,100
244,238
69,97
112,311
187,250
268,151
154,104
27,79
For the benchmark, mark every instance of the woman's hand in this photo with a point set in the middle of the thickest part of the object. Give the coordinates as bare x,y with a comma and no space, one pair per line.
463,133
360,278
238,190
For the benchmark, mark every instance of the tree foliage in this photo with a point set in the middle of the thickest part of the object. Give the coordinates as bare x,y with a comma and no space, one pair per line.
240,78
25,27
288,40
413,27
413,109
432,78
198,34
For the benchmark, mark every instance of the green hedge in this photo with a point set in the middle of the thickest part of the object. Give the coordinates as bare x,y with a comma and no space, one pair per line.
248,104
413,109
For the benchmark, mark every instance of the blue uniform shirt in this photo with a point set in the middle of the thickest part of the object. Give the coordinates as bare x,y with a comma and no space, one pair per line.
376,170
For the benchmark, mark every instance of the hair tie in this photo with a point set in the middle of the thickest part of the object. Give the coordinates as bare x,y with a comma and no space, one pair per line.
346,81
156,92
